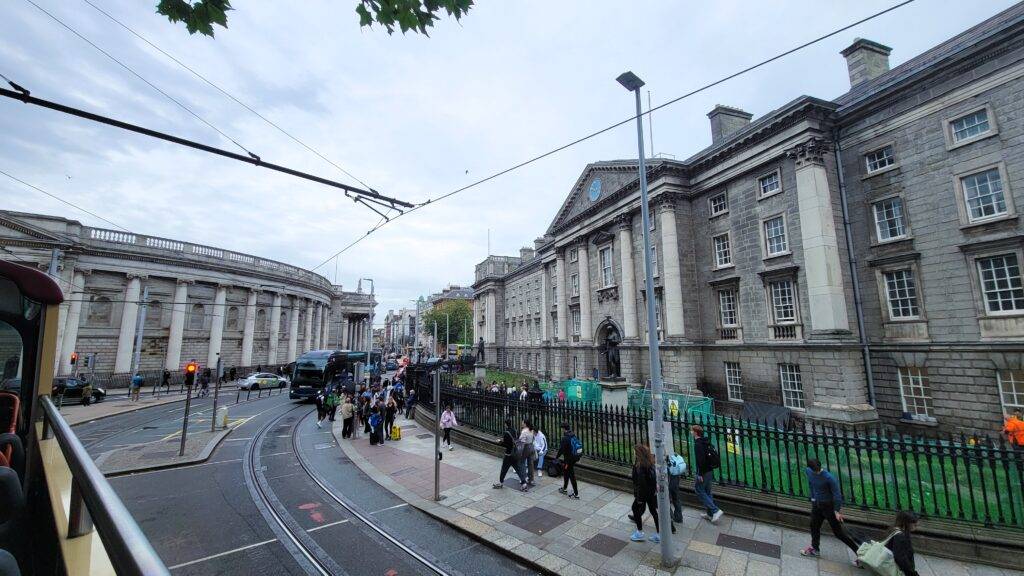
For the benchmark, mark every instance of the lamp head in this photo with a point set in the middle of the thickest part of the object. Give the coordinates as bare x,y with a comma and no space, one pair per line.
630,81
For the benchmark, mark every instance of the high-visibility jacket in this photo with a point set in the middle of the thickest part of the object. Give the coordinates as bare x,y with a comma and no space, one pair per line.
1014,428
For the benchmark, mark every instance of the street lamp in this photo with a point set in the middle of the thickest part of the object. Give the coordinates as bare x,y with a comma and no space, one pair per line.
631,82
369,327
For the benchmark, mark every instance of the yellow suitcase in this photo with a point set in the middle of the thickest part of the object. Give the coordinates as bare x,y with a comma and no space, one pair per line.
396,432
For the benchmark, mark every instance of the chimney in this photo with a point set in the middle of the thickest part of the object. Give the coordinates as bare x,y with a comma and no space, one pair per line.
726,121
526,254
866,60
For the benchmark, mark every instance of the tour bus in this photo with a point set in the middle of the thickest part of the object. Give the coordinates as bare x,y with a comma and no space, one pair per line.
317,367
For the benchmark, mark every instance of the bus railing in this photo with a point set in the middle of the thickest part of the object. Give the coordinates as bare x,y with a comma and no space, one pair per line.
95,506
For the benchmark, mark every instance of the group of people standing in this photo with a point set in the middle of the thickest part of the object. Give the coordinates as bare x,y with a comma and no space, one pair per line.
374,407
523,451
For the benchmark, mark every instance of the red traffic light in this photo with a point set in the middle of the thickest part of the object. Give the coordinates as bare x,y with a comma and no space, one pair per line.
74,358
191,368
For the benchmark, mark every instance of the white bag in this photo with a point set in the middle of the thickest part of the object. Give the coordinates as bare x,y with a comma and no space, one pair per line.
878,558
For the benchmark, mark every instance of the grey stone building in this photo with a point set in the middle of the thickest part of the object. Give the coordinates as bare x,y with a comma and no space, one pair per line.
203,301
849,260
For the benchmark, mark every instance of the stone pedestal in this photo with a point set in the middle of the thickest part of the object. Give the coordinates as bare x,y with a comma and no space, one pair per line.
479,372
613,392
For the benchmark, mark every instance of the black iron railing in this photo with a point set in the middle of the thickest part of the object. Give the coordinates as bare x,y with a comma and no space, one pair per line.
954,477
95,504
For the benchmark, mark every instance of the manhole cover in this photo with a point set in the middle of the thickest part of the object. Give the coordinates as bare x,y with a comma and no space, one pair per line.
403,471
604,545
748,545
537,520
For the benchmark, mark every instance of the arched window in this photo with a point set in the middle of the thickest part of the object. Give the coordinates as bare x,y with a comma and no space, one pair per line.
197,319
232,319
284,322
154,314
261,320
99,311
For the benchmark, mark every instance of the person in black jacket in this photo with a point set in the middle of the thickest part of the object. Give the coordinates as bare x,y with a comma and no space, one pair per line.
569,460
704,472
645,493
900,545
510,460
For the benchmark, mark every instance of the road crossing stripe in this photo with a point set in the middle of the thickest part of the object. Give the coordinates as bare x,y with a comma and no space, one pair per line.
212,556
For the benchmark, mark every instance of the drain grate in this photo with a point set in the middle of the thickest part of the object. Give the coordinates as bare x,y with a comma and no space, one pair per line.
424,436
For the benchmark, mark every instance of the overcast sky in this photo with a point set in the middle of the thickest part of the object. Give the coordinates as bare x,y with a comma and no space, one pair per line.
413,117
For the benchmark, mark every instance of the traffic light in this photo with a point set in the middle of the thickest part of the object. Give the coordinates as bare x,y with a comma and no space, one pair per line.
74,358
190,373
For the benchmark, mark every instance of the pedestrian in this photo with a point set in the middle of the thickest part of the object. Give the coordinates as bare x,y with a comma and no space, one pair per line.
390,410
374,422
259,368
233,374
332,402
899,542
540,448
410,405
645,493
204,384
348,412
561,395
165,380
570,450
137,381
1014,429
321,407
447,423
676,469
707,460
510,459
527,452
826,503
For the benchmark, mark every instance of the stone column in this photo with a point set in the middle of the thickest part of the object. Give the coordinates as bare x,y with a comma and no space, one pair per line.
307,329
544,289
72,319
315,327
249,328
563,299
343,333
217,325
293,329
177,330
669,256
628,292
325,323
586,326
129,318
275,329
823,269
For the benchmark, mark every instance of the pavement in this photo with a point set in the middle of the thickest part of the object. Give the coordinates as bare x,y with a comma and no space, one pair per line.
591,535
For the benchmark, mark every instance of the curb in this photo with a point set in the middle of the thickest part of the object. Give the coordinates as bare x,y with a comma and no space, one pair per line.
202,457
450,517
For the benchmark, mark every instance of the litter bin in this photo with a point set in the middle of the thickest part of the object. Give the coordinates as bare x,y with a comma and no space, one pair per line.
222,417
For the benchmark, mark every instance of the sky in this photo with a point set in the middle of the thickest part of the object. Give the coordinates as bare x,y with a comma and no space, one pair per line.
414,117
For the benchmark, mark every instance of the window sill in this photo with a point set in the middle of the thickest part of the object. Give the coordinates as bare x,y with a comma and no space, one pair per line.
766,196
950,145
978,223
880,171
718,214
891,241
725,267
924,423
779,255
609,287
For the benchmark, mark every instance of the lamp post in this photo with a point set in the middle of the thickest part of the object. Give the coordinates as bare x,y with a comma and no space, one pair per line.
369,328
631,82
416,331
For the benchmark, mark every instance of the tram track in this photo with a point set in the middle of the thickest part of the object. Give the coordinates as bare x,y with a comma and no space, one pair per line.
299,539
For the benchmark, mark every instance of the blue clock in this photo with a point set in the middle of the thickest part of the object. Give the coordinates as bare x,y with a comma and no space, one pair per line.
595,189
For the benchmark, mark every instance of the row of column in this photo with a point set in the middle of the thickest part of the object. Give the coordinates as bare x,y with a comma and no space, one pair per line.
314,330
354,333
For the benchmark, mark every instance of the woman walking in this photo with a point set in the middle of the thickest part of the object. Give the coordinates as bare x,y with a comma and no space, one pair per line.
570,449
321,407
447,423
347,415
899,542
645,493
526,452
540,448
390,410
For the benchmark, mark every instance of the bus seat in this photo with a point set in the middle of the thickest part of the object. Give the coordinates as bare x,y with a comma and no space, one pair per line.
12,497
10,406
12,453
8,565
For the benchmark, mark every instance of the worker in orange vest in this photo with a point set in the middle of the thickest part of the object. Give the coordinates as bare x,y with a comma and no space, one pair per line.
1014,428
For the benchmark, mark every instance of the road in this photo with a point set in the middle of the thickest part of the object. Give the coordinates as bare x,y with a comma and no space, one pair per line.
256,507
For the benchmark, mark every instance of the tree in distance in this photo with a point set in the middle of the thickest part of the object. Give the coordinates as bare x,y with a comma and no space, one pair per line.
407,15
460,318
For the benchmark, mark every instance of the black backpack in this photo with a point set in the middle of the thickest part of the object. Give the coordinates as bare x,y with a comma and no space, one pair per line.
714,460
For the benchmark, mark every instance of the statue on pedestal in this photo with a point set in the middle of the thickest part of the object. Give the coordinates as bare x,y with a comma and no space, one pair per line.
612,365
480,350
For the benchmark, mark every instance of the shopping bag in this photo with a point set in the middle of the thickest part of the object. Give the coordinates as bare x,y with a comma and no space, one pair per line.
878,558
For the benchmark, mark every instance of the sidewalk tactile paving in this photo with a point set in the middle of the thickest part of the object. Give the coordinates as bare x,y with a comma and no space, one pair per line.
604,545
748,545
537,520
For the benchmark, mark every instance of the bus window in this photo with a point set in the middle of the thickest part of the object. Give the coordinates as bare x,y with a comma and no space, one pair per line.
309,372
11,353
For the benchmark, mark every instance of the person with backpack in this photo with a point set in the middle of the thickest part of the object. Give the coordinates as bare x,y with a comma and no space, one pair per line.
375,422
321,407
570,450
510,459
707,460
826,502
676,469
645,493
448,422
526,452
331,402
137,381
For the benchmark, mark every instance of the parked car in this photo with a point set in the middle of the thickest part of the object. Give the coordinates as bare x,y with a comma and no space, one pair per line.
71,387
264,380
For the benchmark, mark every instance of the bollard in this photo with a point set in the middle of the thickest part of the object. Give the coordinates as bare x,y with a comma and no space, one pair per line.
238,395
247,393
259,393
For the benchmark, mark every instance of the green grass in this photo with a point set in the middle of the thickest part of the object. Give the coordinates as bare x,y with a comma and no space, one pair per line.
504,379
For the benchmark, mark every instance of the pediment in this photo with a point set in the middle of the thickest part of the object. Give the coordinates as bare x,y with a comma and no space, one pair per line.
597,182
12,228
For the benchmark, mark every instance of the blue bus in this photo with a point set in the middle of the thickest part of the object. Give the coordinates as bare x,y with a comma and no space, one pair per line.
316,368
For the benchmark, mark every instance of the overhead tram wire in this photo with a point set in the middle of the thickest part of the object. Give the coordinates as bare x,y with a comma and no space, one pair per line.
227,94
25,96
59,199
617,124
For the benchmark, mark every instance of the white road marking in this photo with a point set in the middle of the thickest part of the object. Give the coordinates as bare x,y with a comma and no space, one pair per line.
212,556
390,508
184,467
321,527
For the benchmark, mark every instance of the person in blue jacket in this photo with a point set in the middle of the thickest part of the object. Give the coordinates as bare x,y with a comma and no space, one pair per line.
826,503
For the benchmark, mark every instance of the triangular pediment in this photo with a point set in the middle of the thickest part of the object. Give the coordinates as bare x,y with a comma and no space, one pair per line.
13,228
597,182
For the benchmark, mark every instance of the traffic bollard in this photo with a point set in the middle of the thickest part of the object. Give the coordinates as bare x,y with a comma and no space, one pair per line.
259,393
237,395
247,393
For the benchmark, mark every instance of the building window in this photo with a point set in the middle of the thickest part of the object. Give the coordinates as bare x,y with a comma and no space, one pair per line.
775,242
915,392
769,184
154,314
970,126
576,321
657,312
607,274
723,252
284,321
197,318
783,301
901,292
554,293
1011,389
983,195
261,320
889,222
718,204
574,254
727,314
1001,284
574,283
734,381
654,260
100,310
879,159
792,386
232,318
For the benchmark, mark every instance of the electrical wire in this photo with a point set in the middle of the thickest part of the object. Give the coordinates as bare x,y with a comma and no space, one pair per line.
59,199
226,93
614,126
139,76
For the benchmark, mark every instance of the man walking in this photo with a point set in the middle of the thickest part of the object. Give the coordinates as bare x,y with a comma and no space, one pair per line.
707,461
136,386
826,501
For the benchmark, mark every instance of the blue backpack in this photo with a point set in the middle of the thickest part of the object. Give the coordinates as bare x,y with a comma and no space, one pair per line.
577,446
676,465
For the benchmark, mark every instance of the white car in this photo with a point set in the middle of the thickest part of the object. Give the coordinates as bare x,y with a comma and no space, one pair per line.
264,380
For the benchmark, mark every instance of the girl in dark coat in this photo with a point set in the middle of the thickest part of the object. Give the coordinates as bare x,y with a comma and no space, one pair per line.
900,544
645,493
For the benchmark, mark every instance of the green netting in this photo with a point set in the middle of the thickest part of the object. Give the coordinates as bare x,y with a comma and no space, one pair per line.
638,398
582,391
